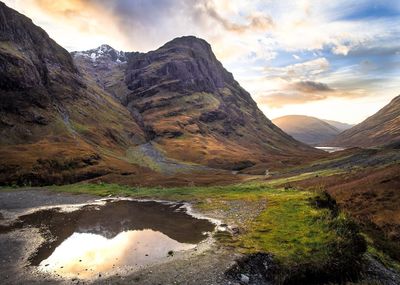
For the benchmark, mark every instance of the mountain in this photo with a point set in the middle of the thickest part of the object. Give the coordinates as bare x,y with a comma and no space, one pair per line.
106,113
339,125
381,128
53,122
309,130
193,109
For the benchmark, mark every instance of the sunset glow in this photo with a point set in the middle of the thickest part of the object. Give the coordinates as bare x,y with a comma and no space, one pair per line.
346,52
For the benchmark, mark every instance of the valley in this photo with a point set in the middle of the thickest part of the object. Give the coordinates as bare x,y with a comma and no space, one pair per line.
285,215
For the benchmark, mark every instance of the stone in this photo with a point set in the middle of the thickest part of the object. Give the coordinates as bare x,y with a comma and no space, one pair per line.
244,278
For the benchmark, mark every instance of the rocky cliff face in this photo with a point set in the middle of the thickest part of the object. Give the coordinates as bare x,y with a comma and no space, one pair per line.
381,128
32,66
29,57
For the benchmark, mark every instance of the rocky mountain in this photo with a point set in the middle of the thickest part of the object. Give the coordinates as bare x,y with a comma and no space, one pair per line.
194,109
381,128
339,125
198,111
52,119
309,130
102,112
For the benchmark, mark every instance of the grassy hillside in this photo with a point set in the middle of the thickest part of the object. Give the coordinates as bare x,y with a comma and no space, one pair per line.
379,129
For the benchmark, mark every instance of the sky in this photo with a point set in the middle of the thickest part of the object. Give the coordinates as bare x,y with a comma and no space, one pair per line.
337,60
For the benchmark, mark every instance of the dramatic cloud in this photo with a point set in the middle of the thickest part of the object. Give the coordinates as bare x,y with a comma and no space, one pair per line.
303,92
281,51
304,71
256,22
311,87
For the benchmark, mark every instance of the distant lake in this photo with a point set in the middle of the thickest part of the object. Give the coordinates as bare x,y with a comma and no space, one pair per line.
330,148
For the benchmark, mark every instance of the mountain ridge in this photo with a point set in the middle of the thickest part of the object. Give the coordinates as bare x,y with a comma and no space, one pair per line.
381,128
339,125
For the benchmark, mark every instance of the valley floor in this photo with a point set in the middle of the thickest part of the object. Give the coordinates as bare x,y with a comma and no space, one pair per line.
298,232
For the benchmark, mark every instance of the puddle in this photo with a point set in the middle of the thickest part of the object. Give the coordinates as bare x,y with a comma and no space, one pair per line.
330,149
98,239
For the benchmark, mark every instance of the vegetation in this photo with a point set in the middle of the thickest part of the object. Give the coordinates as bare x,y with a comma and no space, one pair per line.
308,237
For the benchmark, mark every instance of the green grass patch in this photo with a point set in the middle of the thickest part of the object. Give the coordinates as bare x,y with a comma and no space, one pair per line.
307,175
291,229
79,127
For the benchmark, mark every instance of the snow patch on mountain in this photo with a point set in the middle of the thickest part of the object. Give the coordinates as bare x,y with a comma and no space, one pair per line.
103,52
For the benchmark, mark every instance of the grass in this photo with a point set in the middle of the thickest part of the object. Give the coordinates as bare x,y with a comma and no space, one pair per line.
134,155
380,255
290,227
302,176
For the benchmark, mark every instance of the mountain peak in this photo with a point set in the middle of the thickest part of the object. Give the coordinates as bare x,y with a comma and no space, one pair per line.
192,43
103,52
187,41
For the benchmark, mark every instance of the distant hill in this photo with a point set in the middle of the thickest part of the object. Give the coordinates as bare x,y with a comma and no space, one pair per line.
380,129
339,125
309,130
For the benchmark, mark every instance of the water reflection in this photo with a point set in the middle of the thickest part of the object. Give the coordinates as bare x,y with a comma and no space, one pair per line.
98,238
87,255
330,149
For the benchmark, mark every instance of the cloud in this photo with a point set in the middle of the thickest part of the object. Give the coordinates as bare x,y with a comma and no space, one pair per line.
256,22
295,56
311,87
283,52
341,49
306,70
302,92
280,99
